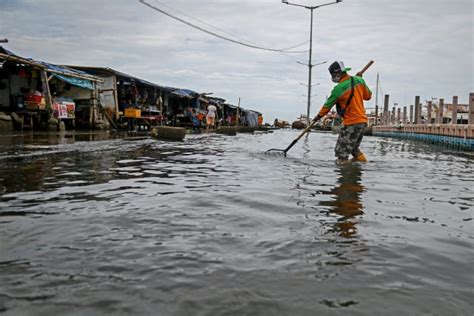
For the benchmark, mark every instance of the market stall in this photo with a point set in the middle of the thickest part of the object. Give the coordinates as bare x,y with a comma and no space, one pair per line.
38,94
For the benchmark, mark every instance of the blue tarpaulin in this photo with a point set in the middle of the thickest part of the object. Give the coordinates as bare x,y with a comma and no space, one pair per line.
78,82
82,83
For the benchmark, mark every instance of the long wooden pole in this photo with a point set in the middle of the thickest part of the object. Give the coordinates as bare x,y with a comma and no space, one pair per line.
47,90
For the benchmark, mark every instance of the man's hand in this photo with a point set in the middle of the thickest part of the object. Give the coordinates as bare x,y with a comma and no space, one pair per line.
316,118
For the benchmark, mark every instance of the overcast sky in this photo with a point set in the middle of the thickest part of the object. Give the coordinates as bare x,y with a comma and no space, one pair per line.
420,47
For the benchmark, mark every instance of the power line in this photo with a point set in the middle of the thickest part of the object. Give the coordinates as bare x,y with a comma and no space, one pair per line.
219,29
230,33
285,50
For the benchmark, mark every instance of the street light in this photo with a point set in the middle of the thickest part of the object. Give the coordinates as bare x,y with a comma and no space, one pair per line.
310,65
304,84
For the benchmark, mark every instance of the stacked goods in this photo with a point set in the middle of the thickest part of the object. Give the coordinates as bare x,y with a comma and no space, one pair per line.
35,101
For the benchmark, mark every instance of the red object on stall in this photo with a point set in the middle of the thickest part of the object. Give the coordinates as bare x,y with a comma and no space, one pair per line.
34,98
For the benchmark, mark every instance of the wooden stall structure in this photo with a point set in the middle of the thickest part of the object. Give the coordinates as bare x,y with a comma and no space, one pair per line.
40,95
129,102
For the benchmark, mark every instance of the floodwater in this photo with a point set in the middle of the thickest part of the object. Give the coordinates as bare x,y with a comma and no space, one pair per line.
91,224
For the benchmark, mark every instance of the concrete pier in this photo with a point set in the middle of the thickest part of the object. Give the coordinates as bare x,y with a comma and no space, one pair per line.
431,129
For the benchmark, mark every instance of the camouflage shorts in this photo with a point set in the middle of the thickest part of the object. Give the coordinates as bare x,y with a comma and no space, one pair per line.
349,140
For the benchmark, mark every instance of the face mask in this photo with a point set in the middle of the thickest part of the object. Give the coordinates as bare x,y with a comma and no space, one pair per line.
336,78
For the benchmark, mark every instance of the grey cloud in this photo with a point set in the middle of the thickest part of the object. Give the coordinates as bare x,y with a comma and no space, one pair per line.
417,45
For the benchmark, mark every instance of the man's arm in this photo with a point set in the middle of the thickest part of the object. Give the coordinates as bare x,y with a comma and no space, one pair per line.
327,106
367,93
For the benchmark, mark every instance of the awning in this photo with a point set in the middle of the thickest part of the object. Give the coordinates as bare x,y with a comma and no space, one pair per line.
82,83
72,76
185,93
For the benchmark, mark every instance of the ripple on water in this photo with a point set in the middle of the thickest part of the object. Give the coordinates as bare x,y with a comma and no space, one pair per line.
214,226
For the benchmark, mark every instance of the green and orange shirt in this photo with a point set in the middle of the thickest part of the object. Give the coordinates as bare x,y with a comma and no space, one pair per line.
355,111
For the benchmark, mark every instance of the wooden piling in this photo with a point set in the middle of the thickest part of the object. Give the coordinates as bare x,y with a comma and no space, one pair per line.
454,112
386,114
399,115
471,108
417,110
440,111
405,119
430,107
411,114
376,114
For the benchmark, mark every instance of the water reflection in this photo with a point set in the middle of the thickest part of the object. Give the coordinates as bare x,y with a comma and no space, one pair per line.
348,202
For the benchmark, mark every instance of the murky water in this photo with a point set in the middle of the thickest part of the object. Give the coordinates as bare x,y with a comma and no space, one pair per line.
95,225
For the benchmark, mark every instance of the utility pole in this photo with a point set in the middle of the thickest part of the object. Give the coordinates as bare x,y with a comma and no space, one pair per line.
310,65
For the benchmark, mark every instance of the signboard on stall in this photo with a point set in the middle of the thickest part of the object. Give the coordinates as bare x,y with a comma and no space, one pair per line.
64,109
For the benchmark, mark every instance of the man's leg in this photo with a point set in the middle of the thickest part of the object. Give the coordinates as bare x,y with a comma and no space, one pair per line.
343,146
358,134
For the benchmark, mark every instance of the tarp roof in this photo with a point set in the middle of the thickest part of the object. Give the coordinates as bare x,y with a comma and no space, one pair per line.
216,100
5,51
110,71
185,93
72,76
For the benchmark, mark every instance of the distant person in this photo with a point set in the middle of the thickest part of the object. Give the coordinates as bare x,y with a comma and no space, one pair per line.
211,116
260,120
348,96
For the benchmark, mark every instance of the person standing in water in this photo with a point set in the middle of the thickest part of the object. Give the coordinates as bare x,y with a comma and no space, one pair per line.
211,116
348,96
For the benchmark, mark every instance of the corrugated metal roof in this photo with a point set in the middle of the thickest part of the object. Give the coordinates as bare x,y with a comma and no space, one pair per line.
111,71
48,66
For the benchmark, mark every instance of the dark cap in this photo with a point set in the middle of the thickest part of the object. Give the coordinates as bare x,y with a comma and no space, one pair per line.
337,67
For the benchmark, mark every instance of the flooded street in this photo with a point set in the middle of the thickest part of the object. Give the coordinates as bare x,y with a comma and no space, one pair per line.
93,224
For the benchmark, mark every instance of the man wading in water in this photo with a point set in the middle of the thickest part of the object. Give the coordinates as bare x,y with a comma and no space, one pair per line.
348,96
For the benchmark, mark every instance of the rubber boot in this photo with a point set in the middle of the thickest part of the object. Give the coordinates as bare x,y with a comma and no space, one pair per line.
360,158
